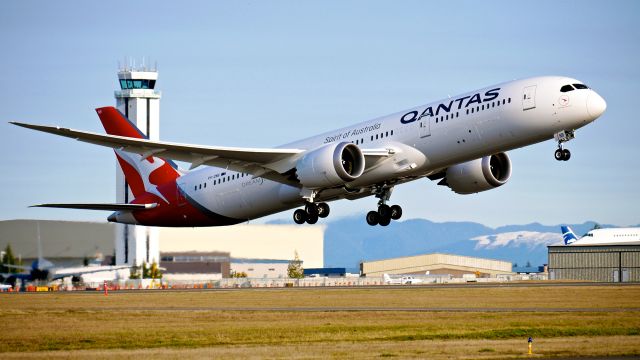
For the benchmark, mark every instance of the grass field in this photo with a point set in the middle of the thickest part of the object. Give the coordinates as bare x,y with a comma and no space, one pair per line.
467,322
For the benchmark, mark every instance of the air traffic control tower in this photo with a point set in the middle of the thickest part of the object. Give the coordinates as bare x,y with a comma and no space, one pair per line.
138,100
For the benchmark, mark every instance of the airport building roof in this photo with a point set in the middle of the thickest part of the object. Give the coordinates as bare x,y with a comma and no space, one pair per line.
436,263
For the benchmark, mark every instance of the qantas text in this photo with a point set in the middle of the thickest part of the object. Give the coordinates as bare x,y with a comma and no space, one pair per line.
445,108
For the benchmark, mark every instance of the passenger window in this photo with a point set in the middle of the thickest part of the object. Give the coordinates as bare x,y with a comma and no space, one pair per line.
566,88
504,101
472,110
509,101
467,111
386,134
376,136
391,132
195,187
371,137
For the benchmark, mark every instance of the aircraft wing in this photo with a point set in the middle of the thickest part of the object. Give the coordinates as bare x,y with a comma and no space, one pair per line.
273,164
21,267
60,273
111,207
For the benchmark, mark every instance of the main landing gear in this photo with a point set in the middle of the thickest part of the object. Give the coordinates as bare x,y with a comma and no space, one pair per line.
385,213
562,154
311,213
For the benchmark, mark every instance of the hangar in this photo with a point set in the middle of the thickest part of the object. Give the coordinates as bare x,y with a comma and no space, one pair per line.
603,263
68,243
437,264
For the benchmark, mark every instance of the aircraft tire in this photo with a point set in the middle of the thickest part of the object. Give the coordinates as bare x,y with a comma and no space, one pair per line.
384,211
311,209
323,210
300,216
566,154
384,221
373,218
312,219
396,212
559,155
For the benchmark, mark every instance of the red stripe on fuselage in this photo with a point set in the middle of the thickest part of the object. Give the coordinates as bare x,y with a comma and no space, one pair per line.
180,212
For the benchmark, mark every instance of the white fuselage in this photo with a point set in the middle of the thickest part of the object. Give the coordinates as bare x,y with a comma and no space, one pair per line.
425,140
609,236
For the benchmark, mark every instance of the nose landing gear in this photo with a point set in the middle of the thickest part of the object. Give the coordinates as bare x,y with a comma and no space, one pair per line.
562,137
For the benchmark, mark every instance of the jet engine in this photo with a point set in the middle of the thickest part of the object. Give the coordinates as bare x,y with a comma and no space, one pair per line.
479,175
330,165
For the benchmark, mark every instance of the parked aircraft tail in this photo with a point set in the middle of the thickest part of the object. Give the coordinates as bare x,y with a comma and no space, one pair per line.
568,235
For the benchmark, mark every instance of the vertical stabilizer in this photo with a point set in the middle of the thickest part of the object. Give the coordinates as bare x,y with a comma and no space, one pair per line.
568,235
143,173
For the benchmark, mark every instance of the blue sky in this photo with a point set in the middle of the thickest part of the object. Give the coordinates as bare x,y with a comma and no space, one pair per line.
249,73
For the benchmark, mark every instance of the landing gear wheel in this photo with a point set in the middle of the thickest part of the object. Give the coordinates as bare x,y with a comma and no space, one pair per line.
384,221
566,154
373,218
559,155
323,210
311,209
299,216
312,219
396,212
384,211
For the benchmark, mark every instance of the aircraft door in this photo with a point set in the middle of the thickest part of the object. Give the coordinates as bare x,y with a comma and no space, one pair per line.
425,126
529,98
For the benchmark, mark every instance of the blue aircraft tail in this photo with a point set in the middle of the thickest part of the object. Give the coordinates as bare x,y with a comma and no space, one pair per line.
568,235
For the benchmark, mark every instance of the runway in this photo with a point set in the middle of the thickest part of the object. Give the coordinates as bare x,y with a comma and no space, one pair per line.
362,309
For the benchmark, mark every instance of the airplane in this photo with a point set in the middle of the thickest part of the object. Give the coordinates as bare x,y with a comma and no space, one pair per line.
602,236
460,141
403,280
42,269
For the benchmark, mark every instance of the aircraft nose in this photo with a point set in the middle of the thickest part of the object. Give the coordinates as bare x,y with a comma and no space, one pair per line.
595,105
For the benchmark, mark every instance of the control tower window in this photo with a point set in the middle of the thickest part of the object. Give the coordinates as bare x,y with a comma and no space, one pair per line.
566,88
580,86
137,84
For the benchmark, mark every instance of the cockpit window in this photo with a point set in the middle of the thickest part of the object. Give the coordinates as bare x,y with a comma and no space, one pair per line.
580,86
566,88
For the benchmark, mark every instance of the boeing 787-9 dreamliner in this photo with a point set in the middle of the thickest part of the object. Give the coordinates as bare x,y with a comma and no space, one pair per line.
461,142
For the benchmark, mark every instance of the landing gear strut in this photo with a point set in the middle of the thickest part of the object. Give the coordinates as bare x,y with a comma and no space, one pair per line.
311,213
385,213
562,154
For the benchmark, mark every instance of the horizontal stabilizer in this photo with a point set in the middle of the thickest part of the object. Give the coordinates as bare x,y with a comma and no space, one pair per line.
107,207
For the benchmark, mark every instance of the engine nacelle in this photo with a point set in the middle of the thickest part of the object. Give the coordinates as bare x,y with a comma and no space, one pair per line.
479,175
330,165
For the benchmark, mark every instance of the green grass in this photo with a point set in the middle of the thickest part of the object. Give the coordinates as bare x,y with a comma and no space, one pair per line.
67,324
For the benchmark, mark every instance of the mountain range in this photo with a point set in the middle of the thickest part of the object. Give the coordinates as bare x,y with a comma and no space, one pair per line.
348,241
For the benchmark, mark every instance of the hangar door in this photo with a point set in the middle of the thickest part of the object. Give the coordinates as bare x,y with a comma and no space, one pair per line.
529,98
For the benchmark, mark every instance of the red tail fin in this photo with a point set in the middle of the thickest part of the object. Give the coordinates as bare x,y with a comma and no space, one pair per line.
143,175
